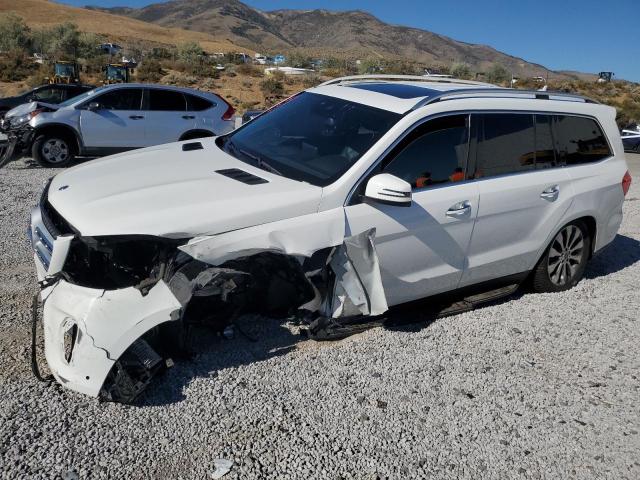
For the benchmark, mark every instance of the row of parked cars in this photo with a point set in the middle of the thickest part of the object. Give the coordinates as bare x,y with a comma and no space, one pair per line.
60,122
345,202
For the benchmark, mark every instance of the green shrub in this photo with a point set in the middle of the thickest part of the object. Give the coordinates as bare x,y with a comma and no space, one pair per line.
461,70
149,71
497,74
14,33
16,65
272,87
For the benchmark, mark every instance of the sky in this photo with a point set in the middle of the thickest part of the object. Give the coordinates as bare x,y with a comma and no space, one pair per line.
583,35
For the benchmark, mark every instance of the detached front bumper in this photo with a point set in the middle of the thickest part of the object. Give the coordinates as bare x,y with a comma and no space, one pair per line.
17,144
86,330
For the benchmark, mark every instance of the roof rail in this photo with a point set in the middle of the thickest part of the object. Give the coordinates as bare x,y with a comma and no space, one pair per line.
422,78
502,93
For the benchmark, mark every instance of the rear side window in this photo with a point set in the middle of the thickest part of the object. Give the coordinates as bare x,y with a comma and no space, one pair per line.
197,104
121,99
166,100
505,144
579,140
435,153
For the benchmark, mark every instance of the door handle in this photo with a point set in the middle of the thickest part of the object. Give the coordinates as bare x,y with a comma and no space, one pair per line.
188,117
136,117
460,209
551,193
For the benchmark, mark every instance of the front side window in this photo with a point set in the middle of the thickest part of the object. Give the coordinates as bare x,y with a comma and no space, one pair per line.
310,137
435,153
579,140
167,101
121,99
505,144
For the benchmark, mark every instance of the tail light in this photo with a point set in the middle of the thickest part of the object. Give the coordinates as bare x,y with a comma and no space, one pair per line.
626,183
230,112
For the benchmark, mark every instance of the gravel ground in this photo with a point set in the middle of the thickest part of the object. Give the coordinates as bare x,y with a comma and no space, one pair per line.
538,386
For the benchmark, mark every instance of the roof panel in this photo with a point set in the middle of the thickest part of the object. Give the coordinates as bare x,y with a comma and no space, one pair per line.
395,89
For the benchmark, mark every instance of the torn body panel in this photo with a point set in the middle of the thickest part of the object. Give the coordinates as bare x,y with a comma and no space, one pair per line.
107,322
95,337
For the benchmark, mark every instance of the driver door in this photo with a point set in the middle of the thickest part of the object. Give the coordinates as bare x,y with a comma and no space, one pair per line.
422,249
118,122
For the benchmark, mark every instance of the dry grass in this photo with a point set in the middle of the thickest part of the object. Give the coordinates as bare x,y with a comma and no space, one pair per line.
42,13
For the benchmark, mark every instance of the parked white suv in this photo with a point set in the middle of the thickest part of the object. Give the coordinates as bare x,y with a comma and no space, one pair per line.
112,119
361,194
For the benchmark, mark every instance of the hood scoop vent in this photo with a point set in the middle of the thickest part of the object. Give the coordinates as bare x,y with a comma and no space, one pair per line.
189,147
242,176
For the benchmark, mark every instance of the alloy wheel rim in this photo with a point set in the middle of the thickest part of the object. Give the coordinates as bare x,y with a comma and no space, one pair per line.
55,150
565,255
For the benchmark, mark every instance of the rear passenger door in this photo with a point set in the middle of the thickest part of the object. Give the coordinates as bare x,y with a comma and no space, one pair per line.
166,116
524,193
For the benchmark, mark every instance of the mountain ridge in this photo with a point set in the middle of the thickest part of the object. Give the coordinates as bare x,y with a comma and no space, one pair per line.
356,31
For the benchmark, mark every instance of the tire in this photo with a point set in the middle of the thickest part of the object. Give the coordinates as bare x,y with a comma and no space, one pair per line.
565,259
53,150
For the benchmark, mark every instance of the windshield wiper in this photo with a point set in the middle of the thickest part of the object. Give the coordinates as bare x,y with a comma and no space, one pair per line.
260,162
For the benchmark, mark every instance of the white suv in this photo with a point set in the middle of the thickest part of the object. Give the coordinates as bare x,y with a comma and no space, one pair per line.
345,200
112,119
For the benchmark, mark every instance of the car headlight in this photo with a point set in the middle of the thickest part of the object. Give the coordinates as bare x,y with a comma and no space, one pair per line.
17,122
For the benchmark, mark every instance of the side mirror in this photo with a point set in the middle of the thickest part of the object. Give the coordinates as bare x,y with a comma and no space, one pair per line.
93,106
389,190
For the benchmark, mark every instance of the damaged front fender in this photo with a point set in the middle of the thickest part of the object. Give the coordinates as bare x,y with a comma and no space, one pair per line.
107,322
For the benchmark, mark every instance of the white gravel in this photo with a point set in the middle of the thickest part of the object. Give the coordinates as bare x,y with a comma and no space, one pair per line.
541,386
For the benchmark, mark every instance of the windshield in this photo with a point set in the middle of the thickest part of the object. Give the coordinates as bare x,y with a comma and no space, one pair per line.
79,98
312,138
64,70
115,73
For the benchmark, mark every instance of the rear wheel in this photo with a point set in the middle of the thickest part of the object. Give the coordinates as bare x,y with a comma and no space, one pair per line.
563,264
52,150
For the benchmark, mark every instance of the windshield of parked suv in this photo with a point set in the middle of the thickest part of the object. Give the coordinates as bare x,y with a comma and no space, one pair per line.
79,98
312,138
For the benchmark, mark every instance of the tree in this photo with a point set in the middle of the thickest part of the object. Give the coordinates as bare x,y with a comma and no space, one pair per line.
461,70
14,33
63,40
497,74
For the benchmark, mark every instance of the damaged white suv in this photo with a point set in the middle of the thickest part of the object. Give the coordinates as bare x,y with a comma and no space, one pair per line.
353,197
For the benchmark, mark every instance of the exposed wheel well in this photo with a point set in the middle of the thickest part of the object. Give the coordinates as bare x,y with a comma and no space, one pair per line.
193,134
67,132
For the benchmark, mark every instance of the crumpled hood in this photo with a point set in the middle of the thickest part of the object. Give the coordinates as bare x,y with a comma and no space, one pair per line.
29,107
168,192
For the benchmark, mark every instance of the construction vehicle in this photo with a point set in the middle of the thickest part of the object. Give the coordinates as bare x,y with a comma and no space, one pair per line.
116,73
64,72
605,77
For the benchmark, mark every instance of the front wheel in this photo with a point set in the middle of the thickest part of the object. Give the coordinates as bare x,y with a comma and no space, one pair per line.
563,264
52,151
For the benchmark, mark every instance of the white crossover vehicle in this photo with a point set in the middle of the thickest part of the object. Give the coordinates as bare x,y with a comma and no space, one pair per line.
113,119
341,203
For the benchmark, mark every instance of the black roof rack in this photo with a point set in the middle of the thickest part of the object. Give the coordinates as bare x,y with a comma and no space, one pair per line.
492,92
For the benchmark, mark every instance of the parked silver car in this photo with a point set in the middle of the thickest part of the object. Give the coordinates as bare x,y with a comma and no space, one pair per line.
112,119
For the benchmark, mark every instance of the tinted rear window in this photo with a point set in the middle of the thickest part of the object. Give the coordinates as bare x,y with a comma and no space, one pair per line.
197,104
166,100
505,144
579,140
